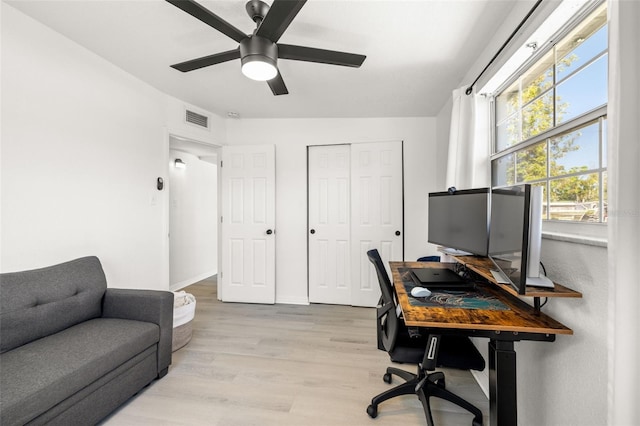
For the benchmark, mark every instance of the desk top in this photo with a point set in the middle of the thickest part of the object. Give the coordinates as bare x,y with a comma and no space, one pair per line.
520,318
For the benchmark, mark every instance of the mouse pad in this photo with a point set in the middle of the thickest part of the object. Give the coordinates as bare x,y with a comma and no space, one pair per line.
475,299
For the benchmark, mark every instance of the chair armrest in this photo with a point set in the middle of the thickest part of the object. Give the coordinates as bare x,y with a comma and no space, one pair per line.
144,305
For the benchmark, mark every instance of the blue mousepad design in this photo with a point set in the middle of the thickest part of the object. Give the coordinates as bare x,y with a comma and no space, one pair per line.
474,299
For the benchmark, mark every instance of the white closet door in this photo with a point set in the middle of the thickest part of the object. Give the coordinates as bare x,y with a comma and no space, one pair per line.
248,219
355,204
329,229
376,214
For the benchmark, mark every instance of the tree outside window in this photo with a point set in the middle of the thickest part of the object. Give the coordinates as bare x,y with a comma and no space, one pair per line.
551,125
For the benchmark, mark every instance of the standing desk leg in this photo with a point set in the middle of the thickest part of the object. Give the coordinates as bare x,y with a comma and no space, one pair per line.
503,408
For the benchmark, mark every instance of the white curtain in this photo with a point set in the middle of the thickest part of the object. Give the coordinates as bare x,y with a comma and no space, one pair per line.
624,212
469,141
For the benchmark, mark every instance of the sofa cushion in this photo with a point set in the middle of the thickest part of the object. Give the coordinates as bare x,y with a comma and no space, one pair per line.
41,302
37,376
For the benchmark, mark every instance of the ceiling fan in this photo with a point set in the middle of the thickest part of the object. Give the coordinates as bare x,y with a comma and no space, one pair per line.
259,51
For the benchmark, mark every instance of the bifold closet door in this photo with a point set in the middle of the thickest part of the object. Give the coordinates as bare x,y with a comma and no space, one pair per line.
329,227
355,204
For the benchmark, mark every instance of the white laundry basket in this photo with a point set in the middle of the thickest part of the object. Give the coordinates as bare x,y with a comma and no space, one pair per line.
184,309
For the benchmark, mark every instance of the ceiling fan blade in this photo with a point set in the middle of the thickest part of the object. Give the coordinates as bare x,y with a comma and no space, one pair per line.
277,85
206,61
310,54
280,15
209,18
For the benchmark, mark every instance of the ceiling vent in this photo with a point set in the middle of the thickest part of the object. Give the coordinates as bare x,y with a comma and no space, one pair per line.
196,119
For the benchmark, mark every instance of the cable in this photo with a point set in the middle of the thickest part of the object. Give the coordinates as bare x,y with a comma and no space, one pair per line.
544,271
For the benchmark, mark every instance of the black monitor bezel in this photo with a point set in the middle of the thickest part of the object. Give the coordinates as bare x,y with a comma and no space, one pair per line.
523,190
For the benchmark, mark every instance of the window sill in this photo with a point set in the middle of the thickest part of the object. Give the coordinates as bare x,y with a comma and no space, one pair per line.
592,234
576,239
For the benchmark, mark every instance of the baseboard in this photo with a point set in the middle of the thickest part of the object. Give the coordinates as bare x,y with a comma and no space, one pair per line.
482,378
192,280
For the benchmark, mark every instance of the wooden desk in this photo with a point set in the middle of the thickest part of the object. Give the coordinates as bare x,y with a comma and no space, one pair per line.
483,265
503,328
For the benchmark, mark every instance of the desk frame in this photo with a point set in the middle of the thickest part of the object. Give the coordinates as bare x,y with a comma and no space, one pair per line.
502,328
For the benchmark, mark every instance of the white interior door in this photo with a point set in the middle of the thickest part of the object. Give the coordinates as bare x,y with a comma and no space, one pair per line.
248,219
376,214
355,204
329,230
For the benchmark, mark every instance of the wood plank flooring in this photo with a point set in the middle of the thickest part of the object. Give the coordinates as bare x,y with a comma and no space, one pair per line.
252,364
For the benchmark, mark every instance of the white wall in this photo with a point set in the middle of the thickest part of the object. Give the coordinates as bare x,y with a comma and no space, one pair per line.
443,130
193,211
291,138
564,382
82,145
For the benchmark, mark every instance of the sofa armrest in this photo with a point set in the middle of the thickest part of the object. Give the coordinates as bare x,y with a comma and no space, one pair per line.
144,305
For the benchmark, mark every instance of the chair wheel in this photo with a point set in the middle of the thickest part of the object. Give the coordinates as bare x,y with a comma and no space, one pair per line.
387,378
373,411
476,422
441,383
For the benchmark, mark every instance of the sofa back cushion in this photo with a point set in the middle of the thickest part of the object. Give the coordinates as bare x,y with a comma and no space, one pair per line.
41,302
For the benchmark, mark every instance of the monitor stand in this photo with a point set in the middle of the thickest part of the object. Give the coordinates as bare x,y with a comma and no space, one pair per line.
499,277
540,281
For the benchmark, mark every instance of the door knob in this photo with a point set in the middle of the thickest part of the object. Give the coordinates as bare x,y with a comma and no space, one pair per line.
397,232
269,232
313,231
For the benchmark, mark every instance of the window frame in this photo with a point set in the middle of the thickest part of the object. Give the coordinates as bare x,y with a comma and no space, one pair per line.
596,115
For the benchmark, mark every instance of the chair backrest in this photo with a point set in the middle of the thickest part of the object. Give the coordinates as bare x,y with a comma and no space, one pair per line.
387,319
429,259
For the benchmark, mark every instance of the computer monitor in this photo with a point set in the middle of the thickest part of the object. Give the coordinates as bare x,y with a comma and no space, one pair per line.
460,220
515,235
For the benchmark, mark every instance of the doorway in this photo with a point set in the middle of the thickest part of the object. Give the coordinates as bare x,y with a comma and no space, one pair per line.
193,211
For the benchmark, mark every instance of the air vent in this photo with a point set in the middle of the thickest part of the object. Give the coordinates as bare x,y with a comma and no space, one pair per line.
197,119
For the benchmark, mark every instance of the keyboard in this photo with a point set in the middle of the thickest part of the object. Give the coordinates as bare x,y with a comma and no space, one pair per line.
462,285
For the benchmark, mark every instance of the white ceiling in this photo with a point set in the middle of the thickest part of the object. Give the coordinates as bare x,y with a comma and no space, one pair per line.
417,52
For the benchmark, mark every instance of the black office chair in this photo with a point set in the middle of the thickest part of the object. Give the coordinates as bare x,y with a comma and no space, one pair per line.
408,345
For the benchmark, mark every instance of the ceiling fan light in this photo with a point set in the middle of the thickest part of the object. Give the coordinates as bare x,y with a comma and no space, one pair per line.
258,67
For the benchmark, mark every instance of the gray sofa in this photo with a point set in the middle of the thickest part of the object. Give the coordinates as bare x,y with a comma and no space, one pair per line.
73,350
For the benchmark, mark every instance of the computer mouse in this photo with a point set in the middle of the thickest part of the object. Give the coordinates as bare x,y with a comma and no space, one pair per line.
420,292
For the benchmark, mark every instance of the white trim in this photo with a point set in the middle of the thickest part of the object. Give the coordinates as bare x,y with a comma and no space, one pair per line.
576,239
482,378
553,21
178,134
182,284
166,244
577,231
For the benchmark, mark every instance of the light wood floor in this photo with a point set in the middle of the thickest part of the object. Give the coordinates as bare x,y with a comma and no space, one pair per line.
283,365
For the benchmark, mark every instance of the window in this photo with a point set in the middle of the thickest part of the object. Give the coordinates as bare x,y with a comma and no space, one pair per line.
550,124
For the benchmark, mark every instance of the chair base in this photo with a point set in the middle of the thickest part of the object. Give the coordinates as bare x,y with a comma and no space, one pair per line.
415,384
